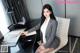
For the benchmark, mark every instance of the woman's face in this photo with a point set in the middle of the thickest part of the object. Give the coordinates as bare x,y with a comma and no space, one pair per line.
46,13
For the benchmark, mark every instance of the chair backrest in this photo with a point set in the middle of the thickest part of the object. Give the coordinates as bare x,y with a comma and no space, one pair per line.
62,32
62,29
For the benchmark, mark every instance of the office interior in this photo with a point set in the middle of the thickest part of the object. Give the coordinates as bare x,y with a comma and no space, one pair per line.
25,14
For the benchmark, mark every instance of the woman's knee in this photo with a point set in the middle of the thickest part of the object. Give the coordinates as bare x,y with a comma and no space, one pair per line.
42,52
38,50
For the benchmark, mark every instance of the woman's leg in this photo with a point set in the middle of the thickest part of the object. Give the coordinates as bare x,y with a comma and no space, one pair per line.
38,50
41,49
47,50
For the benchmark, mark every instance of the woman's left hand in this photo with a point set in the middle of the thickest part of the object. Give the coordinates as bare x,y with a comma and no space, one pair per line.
42,47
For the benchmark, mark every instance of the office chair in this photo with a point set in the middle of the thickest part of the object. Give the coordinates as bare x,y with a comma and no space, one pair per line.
62,32
22,23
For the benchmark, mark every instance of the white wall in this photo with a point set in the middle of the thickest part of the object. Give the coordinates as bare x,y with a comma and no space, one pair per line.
4,21
34,8
73,12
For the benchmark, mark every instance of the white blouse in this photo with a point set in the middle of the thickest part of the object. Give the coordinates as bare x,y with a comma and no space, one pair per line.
43,29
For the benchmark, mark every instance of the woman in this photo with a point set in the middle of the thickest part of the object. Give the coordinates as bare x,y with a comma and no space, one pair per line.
48,27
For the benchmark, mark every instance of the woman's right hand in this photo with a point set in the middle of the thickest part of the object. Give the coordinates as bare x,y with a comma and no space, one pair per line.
24,33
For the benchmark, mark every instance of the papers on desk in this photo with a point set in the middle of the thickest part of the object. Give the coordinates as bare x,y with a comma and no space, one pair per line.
31,33
12,37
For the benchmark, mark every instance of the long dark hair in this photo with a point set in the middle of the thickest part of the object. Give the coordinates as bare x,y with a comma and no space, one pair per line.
51,15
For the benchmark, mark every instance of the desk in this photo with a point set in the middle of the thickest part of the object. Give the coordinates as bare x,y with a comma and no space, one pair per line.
11,38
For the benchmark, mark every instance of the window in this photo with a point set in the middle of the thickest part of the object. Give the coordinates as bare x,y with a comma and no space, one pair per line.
4,21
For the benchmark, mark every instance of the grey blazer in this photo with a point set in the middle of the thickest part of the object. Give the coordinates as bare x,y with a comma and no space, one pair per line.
52,40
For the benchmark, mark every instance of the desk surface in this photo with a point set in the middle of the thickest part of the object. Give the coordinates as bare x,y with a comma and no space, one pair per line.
12,37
